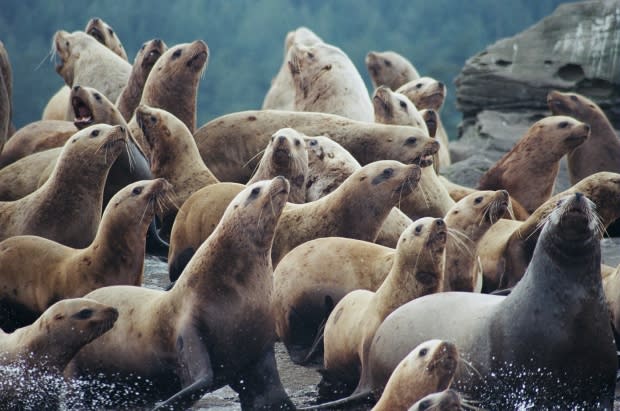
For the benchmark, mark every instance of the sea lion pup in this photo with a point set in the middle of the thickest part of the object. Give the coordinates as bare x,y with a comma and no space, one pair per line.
395,108
326,81
174,156
601,152
417,270
389,69
145,59
286,155
228,143
529,169
57,106
192,330
172,84
89,107
281,94
306,288
425,93
447,400
42,350
506,250
67,207
356,209
518,345
37,272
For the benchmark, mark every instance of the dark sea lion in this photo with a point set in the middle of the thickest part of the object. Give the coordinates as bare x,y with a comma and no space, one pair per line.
547,344
193,331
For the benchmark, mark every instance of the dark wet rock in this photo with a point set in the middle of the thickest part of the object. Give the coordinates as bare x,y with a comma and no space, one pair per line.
502,90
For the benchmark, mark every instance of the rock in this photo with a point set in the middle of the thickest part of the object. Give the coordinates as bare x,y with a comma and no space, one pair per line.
502,90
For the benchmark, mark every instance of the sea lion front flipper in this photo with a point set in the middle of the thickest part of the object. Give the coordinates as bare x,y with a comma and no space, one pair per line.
194,369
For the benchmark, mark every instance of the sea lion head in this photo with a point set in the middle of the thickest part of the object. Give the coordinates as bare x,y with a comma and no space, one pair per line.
390,177
395,108
572,223
388,68
447,400
560,133
104,34
192,57
146,196
573,105
149,53
425,92
67,47
100,141
92,107
483,207
431,119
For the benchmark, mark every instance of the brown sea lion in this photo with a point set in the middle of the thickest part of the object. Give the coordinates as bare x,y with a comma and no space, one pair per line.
131,94
356,209
601,151
281,94
37,272
528,171
417,270
192,331
547,344
327,81
174,156
39,352
286,155
67,208
228,143
172,84
390,69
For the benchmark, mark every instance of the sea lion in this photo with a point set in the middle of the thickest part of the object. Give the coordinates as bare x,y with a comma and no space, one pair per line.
228,143
356,209
327,81
6,99
611,286
601,151
519,345
131,94
67,207
281,94
447,400
37,272
172,84
286,155
21,178
42,350
528,171
173,156
506,250
428,93
395,108
390,69
86,62
417,270
192,331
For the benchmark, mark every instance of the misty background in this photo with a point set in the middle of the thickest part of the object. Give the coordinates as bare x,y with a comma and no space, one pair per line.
246,39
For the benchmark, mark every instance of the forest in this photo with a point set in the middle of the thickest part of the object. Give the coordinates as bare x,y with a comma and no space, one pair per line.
246,39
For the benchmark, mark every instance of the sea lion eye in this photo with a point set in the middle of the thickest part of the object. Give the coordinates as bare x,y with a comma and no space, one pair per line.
143,46
111,31
388,63
423,352
403,104
478,200
176,54
136,191
67,43
94,133
310,55
424,405
418,229
313,142
563,124
297,142
255,191
388,172
419,85
573,97
411,141
84,314
97,96
153,119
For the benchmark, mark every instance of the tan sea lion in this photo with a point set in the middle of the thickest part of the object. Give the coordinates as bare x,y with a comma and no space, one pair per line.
172,84
228,143
601,151
21,178
286,155
31,356
528,171
611,286
446,400
547,344
281,94
67,208
37,272
131,94
395,108
428,93
390,69
174,156
356,209
190,354
417,270
327,81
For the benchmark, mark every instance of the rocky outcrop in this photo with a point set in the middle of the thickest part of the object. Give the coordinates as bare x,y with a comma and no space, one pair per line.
502,90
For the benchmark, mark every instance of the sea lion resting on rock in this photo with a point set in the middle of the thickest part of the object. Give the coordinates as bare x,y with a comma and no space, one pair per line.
193,331
547,344
31,355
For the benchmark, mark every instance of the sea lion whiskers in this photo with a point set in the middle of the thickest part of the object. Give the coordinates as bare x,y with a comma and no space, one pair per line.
458,238
51,56
252,158
424,193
